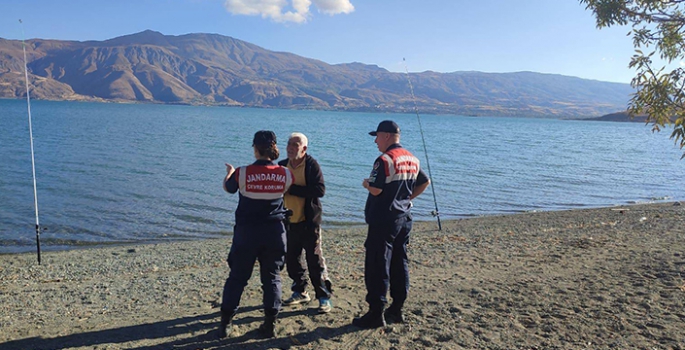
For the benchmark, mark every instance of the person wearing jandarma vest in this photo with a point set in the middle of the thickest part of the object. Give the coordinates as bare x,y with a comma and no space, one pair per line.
396,179
259,232
304,226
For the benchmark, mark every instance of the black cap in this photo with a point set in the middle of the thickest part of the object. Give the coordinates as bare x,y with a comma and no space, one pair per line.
264,138
388,126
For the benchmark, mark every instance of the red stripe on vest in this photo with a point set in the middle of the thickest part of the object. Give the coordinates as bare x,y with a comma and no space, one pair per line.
403,161
265,179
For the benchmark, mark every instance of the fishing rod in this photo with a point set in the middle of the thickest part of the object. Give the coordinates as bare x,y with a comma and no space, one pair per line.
33,160
436,212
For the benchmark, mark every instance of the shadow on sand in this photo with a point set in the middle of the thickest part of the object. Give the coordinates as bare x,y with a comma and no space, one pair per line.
201,331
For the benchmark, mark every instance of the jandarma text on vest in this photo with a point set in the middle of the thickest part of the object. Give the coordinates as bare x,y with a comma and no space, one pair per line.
265,177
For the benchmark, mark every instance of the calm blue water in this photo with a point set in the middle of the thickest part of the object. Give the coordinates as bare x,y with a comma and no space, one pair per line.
113,173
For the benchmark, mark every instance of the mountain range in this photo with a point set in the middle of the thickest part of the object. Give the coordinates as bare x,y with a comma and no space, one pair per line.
211,69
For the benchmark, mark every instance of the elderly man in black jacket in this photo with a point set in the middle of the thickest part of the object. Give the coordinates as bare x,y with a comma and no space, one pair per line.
304,229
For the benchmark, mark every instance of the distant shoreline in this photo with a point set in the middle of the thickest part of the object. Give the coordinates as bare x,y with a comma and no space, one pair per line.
352,110
620,117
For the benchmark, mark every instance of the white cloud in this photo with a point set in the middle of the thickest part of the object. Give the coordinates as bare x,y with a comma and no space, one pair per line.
334,7
296,11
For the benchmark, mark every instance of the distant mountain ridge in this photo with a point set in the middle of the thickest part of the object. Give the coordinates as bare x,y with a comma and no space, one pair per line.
220,70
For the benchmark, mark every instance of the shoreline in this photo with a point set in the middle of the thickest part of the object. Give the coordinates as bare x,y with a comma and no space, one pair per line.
332,226
611,277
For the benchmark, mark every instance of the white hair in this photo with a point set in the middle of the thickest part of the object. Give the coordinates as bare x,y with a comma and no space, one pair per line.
300,136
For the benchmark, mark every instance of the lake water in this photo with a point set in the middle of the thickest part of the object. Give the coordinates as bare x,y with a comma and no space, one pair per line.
116,173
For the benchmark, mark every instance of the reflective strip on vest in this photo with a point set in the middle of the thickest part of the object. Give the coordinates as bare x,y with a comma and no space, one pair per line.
267,182
400,165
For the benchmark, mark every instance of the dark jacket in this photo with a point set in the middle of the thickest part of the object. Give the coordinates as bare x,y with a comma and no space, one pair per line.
314,189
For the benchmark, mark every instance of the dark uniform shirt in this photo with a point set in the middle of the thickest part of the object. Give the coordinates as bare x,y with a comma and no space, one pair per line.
261,187
396,172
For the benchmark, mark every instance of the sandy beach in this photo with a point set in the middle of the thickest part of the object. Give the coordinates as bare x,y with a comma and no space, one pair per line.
607,278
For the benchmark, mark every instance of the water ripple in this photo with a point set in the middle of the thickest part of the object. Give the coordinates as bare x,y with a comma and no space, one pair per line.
110,173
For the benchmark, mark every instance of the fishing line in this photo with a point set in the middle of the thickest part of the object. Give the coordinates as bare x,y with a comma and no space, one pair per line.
436,212
33,160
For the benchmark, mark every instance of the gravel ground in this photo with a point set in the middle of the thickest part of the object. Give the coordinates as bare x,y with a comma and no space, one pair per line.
583,279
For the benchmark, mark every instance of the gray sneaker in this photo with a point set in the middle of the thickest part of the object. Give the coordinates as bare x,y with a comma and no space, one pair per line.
325,305
297,298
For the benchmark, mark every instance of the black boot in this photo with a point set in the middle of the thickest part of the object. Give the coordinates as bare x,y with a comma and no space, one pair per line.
226,324
372,319
267,329
394,314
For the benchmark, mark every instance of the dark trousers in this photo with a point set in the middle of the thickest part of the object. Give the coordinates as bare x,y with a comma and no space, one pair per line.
303,237
386,264
265,242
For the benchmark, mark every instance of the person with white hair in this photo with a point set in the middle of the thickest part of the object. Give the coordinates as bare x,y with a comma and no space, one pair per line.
304,226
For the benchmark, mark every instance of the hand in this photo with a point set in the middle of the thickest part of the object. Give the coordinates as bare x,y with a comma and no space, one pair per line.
229,169
373,190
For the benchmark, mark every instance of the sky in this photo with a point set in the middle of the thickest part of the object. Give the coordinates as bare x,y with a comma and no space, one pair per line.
546,36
